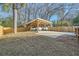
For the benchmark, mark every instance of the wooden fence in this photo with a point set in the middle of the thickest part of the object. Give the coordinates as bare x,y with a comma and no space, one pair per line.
63,29
6,30
1,31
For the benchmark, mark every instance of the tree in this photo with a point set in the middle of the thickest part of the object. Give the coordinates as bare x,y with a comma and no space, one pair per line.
15,8
8,22
76,21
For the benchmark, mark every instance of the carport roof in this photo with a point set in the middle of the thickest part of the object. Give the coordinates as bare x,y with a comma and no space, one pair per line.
42,20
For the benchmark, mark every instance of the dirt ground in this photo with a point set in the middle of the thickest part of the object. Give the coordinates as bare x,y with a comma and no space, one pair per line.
31,44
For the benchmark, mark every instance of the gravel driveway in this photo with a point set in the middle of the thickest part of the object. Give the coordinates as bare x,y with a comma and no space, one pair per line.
32,44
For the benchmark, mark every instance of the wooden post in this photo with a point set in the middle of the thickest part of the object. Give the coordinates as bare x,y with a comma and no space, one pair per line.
77,33
37,25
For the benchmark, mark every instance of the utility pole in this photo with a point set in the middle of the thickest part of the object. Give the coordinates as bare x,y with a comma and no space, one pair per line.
14,18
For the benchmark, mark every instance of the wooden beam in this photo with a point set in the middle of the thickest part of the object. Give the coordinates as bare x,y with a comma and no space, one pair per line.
38,25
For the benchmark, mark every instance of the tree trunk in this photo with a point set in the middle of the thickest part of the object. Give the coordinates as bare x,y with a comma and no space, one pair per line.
14,18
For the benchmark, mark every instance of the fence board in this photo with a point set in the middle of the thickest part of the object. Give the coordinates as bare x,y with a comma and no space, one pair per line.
1,31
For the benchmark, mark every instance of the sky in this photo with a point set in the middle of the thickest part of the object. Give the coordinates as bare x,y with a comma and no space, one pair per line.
4,14
54,18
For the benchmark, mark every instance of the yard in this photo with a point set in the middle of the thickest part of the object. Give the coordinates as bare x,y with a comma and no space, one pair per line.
32,44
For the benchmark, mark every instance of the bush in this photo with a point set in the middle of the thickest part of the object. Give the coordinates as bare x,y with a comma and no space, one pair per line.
1,26
64,23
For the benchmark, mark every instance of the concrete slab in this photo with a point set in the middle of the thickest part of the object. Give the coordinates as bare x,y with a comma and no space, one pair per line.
54,34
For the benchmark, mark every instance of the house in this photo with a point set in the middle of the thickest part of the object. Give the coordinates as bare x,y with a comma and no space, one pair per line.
38,25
